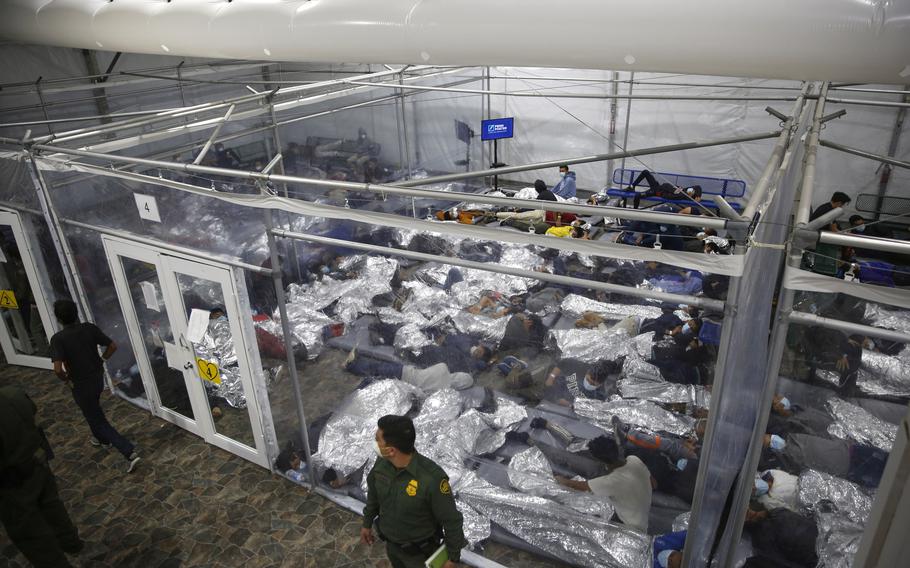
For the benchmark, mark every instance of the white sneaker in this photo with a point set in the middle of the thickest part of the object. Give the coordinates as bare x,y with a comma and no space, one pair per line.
133,462
97,443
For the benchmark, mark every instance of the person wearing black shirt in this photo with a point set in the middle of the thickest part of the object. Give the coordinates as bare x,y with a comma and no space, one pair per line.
543,193
839,199
74,351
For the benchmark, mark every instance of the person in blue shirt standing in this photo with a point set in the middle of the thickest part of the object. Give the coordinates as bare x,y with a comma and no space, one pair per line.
566,186
668,549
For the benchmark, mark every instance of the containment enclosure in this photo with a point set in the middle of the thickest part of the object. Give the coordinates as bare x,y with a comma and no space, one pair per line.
584,334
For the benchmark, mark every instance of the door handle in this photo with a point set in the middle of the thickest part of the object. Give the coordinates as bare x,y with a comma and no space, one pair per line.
187,366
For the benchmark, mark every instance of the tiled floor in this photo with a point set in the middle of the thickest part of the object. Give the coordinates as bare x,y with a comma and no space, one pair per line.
188,504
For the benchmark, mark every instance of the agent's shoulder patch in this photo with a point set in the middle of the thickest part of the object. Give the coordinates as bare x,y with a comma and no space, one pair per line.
444,487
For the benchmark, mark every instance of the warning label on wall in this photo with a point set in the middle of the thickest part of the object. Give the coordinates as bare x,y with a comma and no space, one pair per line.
8,300
208,371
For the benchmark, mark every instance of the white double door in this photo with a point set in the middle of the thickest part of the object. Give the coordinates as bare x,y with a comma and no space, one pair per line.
26,321
199,378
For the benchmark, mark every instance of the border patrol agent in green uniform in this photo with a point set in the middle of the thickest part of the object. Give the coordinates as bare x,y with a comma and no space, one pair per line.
32,512
412,497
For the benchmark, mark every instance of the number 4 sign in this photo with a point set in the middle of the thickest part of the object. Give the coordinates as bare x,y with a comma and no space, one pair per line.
208,371
148,207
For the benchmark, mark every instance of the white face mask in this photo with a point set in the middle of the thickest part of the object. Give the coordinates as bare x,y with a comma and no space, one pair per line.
859,228
377,449
588,386
562,174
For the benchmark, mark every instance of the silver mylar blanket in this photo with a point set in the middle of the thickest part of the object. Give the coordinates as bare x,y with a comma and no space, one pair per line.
885,375
642,413
880,316
857,423
848,497
664,392
346,441
577,305
592,345
839,538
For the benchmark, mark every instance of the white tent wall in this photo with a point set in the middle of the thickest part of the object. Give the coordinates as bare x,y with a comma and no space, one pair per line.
866,128
652,123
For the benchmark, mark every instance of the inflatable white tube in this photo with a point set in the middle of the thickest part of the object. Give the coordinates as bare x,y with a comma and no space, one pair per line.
841,40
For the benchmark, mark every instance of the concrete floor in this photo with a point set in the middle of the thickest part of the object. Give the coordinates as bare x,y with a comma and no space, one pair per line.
188,503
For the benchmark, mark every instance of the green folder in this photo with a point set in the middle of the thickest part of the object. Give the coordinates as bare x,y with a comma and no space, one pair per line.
439,558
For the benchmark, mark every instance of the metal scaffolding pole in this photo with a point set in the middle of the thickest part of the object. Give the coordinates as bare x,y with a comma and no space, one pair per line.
760,189
208,143
588,159
404,126
64,252
892,104
865,154
864,242
611,137
849,327
589,95
620,212
805,199
278,281
44,106
892,150
625,133
276,138
880,91
260,109
86,132
720,492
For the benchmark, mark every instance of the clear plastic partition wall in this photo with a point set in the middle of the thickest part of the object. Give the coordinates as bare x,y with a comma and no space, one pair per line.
528,390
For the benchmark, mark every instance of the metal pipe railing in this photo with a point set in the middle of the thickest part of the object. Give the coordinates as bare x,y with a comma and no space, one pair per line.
864,242
81,133
865,154
452,196
242,115
887,104
849,327
593,95
588,159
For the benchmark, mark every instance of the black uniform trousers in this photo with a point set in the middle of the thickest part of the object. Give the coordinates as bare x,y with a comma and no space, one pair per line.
37,522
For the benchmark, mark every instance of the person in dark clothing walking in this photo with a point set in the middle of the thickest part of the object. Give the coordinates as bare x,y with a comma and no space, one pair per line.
412,498
74,351
30,507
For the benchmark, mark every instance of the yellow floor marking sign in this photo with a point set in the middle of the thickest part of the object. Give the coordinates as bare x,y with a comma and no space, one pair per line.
208,371
8,300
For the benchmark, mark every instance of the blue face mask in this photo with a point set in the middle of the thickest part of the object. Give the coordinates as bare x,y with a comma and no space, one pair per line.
777,443
325,269
686,329
761,487
859,228
681,464
785,403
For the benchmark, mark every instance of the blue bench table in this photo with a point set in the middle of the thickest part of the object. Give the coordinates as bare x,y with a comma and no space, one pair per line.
726,188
